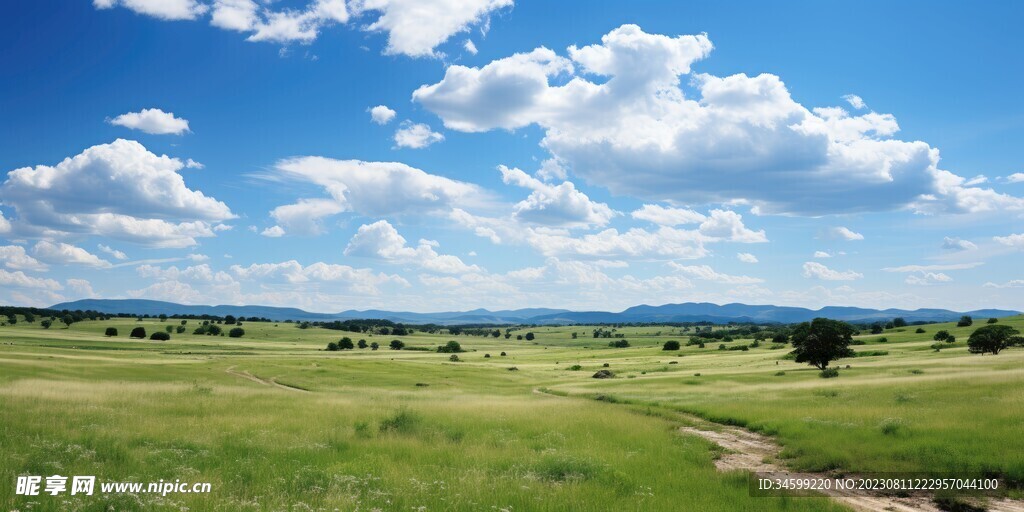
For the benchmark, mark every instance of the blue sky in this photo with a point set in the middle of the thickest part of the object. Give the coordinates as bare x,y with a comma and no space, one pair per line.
523,154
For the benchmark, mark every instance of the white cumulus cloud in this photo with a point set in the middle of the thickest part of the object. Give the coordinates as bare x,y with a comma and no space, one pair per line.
67,254
162,9
814,270
382,241
555,205
382,115
416,136
153,121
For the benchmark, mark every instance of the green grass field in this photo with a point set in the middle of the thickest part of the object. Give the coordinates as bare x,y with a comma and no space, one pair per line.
274,422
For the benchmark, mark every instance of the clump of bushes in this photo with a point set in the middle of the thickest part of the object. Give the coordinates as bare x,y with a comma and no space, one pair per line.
575,368
454,358
941,335
671,345
112,331
160,336
920,330
619,344
829,373
397,345
452,347
603,374
237,332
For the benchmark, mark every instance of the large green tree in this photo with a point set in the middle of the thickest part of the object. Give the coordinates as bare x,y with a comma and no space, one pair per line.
822,341
991,338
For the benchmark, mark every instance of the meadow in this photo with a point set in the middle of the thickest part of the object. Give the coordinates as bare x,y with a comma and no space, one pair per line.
276,422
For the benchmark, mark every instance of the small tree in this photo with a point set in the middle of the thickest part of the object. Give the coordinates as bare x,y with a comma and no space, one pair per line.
46,324
397,345
941,335
951,339
899,322
67,320
780,338
160,336
821,341
920,330
111,331
452,347
876,329
965,321
990,320
991,338
346,343
163,317
237,332
169,329
374,345
230,319
332,346
671,345
180,329
529,336
361,344
138,332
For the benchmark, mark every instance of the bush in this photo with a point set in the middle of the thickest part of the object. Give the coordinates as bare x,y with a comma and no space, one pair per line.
180,329
503,354
671,345
618,344
169,329
575,368
965,321
160,336
829,373
951,339
332,346
46,324
374,346
603,374
883,339
397,345
454,358
993,320
452,347
346,344
529,336
111,331
237,332
920,330
941,335
361,344
138,332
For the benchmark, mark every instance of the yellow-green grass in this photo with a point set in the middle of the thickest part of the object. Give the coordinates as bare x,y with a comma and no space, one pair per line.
398,430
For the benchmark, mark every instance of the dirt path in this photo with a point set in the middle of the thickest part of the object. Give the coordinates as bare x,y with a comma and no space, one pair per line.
266,382
750,451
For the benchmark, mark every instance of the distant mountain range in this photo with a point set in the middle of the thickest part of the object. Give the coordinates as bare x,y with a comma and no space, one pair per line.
686,312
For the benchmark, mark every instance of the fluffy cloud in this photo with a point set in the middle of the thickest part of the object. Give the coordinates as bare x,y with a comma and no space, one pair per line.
725,225
1016,241
14,257
855,101
956,244
746,257
162,9
66,254
1017,177
273,232
381,240
381,114
706,273
358,280
555,205
372,189
416,27
665,216
927,278
119,190
416,136
844,233
18,279
814,270
822,254
114,253
80,288
469,46
635,131
5,225
153,121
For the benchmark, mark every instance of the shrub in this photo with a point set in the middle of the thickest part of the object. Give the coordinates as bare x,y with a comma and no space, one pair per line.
503,354
965,321
361,344
721,346
993,320
829,373
346,344
374,345
619,344
951,339
606,365
169,329
237,332
46,324
138,332
603,374
671,345
452,347
180,329
920,330
529,336
883,339
487,356
779,374
575,368
160,336
403,422
111,331
941,335
397,345
332,346
454,358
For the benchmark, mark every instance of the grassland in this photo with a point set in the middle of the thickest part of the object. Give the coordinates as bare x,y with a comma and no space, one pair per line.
274,422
